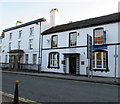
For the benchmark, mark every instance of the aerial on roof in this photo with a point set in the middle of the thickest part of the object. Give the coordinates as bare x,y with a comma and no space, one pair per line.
85,23
25,24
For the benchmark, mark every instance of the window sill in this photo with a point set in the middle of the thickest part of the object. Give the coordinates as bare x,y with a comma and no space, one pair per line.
102,70
53,67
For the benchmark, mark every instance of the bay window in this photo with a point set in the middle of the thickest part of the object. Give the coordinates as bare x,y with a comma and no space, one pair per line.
100,60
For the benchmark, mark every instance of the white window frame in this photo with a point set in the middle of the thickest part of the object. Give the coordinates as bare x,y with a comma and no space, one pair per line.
53,60
31,31
19,44
102,61
54,42
10,38
97,42
20,34
30,44
34,58
73,39
26,58
10,45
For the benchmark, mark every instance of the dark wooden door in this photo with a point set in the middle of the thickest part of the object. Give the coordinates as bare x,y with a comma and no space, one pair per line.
72,65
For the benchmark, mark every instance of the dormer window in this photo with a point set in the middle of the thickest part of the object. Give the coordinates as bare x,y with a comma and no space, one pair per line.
99,36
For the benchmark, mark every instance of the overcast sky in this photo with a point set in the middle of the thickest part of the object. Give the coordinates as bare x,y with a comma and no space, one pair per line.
69,10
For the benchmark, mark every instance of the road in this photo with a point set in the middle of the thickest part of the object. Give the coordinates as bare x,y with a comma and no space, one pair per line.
42,89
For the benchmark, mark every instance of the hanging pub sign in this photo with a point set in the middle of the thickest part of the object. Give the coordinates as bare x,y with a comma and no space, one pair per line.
89,46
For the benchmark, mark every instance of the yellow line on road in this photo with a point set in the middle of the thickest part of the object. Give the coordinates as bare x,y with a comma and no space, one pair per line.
20,98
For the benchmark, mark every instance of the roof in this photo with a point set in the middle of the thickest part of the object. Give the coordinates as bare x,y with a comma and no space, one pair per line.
23,25
85,23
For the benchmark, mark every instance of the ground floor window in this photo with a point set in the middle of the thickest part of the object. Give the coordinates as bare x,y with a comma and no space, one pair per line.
26,58
53,60
100,60
34,58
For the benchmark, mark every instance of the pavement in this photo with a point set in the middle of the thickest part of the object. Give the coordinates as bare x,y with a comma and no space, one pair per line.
94,79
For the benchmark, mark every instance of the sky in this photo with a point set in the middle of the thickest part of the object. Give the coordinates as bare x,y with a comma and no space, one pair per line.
69,10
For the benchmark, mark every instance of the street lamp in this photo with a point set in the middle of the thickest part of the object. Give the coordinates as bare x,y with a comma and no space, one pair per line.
40,46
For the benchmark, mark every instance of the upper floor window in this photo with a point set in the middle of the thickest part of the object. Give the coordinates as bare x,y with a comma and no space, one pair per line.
0,49
100,60
0,40
54,41
6,58
9,46
20,33
10,38
73,39
99,36
19,44
30,44
31,31
53,60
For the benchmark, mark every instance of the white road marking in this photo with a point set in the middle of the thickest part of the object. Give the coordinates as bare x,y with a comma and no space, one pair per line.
20,98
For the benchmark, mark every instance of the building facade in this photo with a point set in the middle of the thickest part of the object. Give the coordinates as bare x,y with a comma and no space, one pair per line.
20,45
65,47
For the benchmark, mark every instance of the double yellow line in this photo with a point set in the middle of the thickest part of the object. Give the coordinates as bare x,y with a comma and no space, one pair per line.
20,98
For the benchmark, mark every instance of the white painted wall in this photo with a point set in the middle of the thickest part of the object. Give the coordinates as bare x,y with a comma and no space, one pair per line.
63,42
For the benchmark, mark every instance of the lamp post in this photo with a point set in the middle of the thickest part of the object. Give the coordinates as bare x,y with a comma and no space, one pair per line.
40,46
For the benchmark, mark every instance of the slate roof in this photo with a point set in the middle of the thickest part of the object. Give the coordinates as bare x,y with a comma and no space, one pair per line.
85,23
23,25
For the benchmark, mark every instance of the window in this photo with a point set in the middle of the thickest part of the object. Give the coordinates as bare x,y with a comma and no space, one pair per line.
6,58
19,44
20,33
9,46
0,49
0,40
99,36
54,42
73,39
30,44
34,58
100,60
10,36
53,60
26,58
31,31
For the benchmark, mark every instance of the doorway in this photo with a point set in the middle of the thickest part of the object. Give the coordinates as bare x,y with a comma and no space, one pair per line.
72,65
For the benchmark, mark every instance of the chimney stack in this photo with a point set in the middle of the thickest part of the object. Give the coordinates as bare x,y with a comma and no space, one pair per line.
54,17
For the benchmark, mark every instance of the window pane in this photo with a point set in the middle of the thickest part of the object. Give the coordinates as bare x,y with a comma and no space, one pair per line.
53,61
99,36
99,60
93,60
73,39
104,60
54,41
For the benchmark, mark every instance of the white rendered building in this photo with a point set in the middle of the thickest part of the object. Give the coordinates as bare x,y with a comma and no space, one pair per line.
21,44
65,47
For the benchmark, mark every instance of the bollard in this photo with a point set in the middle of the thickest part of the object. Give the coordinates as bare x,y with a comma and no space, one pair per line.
16,98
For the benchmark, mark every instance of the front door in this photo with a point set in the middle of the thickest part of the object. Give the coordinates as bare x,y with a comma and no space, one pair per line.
72,64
